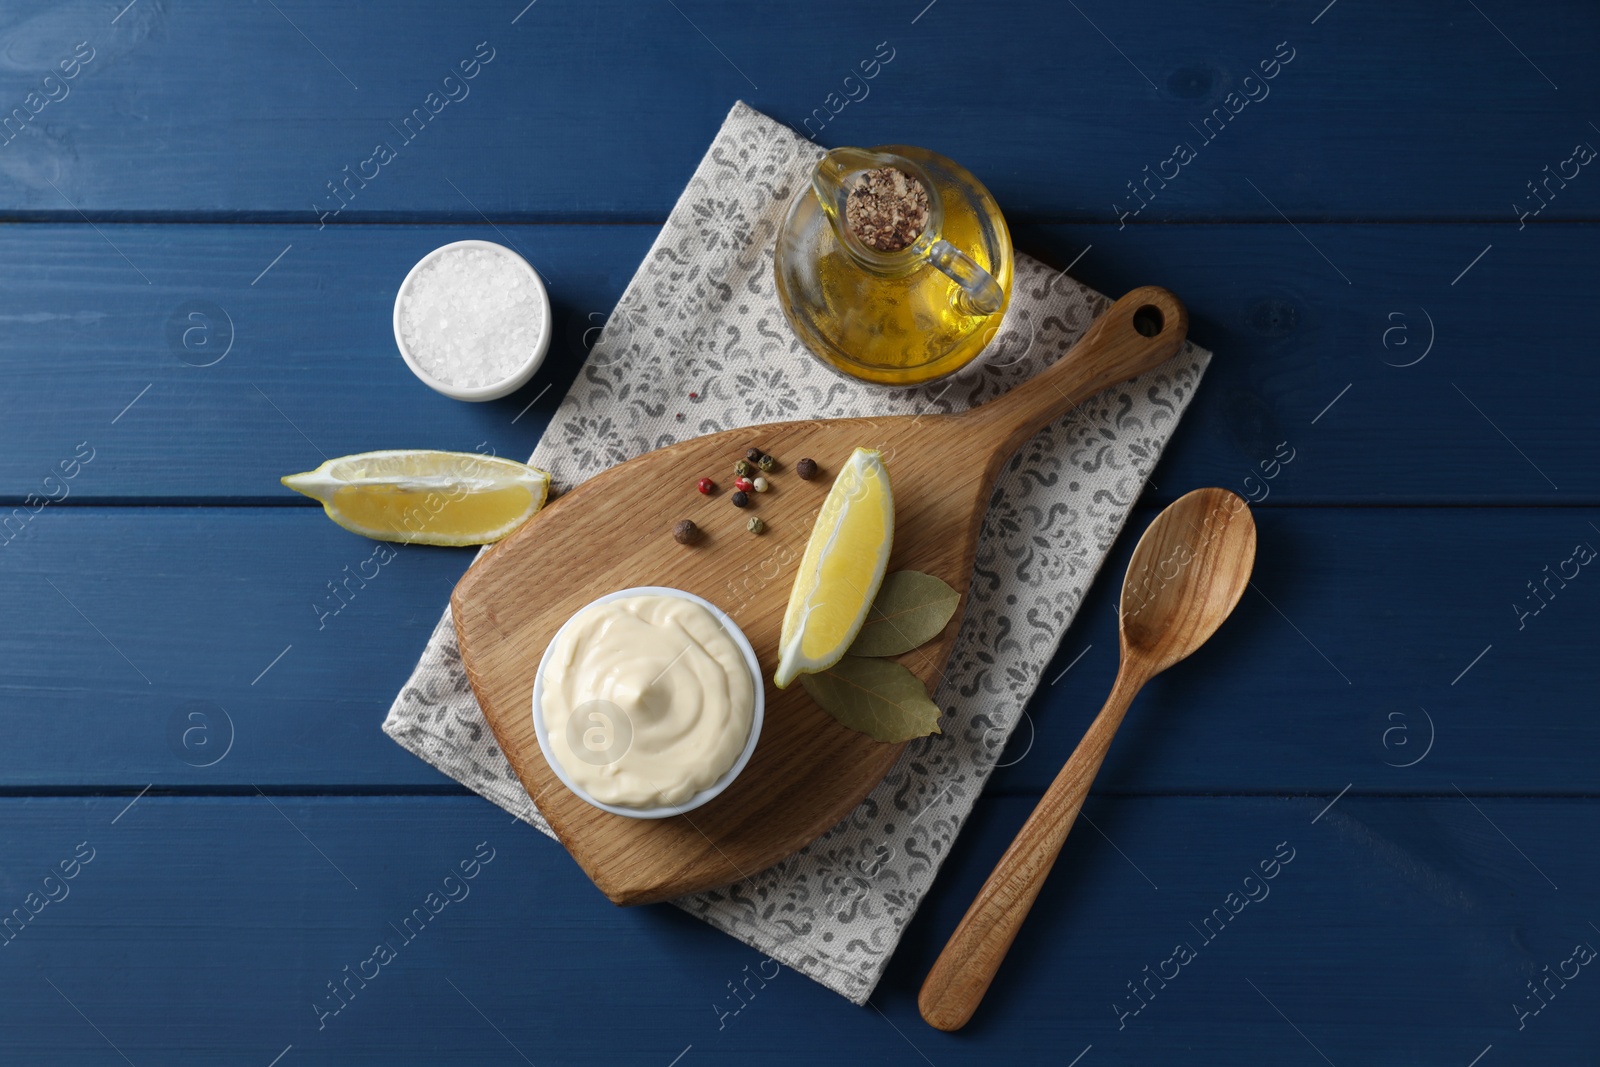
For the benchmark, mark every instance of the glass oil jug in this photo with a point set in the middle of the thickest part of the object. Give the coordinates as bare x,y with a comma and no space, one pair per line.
900,317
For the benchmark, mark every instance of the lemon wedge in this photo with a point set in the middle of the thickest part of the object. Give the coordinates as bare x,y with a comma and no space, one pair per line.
841,570
425,497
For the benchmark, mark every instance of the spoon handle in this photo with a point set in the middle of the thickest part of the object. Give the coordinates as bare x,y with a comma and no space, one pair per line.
963,971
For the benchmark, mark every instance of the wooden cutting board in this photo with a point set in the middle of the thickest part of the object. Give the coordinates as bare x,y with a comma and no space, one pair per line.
614,531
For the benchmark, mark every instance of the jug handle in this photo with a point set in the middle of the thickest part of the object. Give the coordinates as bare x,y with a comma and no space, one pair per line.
980,293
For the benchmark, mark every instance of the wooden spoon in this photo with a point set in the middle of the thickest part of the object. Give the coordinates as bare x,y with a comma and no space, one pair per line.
1187,573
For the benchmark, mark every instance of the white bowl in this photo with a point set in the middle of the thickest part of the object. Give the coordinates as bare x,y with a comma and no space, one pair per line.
710,791
520,376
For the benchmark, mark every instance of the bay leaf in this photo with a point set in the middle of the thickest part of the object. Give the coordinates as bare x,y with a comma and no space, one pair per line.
878,697
911,608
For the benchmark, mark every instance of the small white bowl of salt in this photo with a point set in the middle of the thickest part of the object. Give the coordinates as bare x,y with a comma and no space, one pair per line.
472,320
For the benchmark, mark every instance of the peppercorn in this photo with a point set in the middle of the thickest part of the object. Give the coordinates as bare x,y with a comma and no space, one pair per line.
766,463
755,525
753,455
706,486
806,469
760,484
686,532
742,468
744,485
740,499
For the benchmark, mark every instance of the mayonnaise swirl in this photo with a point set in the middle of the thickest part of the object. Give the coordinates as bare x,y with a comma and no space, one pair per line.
646,700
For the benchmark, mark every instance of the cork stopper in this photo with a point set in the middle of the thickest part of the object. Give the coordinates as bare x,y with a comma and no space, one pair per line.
887,209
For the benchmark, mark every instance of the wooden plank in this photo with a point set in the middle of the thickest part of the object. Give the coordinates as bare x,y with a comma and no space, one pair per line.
256,351
202,602
246,910
602,109
1377,648
1417,382
1498,411
176,646
1393,938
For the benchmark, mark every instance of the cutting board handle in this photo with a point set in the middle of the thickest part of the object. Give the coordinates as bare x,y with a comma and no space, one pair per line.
1137,333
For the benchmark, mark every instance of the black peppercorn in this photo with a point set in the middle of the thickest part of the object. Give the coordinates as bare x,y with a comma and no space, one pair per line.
806,468
753,455
740,499
685,532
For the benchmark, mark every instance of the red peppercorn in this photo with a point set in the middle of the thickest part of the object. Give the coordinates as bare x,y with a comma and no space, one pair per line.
706,486
744,485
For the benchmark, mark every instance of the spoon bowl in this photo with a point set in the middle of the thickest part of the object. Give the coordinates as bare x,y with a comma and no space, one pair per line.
1187,573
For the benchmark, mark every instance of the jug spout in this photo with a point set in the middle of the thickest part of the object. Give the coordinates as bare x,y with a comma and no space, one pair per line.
835,172
833,179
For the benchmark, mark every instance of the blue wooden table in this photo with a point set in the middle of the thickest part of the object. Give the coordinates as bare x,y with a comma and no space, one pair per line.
1382,219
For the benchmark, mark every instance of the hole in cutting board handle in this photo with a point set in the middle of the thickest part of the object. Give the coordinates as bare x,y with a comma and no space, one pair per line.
1149,321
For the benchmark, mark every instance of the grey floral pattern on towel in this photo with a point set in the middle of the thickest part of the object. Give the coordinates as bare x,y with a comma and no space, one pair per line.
698,344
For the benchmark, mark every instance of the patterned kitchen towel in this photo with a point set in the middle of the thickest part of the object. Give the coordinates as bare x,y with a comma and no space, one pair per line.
699,344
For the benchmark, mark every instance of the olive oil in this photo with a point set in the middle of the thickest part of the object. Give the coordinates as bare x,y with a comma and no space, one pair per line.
896,319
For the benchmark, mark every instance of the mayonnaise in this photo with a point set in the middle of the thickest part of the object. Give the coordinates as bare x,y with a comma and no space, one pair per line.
646,700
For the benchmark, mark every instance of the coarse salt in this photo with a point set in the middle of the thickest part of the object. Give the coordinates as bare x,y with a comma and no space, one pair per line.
471,317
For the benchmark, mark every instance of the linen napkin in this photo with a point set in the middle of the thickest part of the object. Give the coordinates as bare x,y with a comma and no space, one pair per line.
698,344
